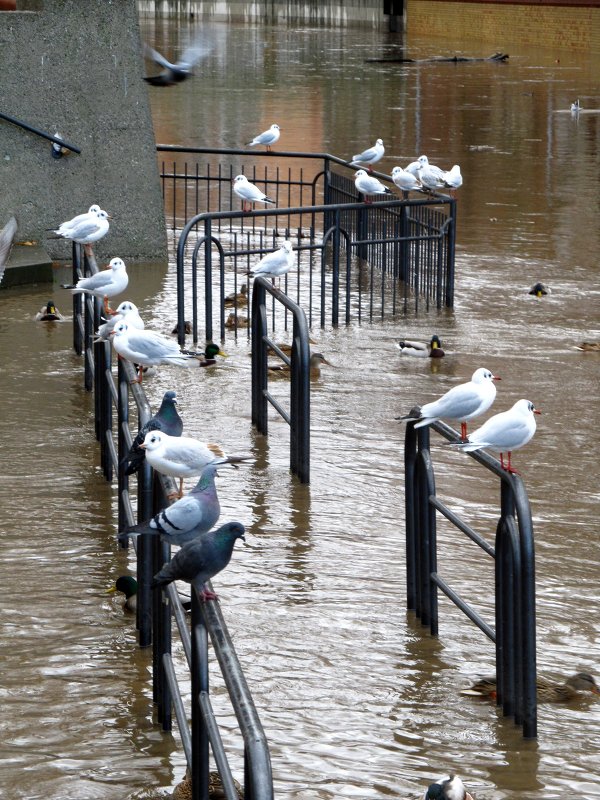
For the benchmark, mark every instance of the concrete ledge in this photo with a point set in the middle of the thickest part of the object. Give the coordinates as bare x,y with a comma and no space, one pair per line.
27,264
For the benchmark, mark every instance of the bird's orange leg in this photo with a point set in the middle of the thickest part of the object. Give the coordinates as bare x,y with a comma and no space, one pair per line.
463,431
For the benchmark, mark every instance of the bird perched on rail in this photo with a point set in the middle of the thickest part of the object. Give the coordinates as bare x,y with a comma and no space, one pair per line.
184,457
84,229
190,516
453,179
166,419
432,349
148,349
447,788
431,177
181,70
547,690
510,430
127,312
49,313
369,184
406,181
106,283
249,193
267,137
277,263
461,403
370,156
201,559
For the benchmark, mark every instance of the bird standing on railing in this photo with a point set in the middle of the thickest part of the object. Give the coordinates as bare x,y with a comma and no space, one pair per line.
450,788
547,690
106,283
84,229
148,349
127,312
369,184
267,137
461,403
406,181
201,559
370,156
432,349
431,177
453,179
276,263
166,419
249,193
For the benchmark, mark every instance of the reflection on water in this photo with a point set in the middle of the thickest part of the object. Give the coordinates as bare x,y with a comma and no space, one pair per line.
356,699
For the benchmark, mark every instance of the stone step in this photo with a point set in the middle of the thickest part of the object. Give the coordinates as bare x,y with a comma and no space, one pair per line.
27,264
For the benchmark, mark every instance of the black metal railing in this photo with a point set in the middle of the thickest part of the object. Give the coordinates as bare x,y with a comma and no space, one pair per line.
38,132
513,553
155,610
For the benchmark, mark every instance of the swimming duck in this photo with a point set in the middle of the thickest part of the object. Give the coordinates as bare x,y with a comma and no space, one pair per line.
590,347
316,359
126,584
211,351
49,313
183,790
447,788
547,691
187,328
237,298
421,349
539,290
236,321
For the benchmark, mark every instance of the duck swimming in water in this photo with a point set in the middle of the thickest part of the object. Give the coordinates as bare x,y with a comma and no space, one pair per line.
421,349
547,691
49,313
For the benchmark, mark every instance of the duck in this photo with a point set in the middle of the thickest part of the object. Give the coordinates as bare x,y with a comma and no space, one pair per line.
187,328
211,351
421,349
49,313
237,298
539,289
447,788
589,347
236,321
316,359
126,584
183,790
548,691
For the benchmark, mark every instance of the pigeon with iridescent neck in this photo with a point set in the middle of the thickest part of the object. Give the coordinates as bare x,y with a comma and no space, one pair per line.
166,419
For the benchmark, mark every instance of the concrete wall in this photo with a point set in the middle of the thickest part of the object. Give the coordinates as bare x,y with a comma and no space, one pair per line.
75,67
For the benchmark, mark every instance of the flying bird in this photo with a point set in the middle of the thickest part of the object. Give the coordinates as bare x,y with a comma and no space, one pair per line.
406,181
166,419
127,312
432,349
447,788
368,184
249,193
184,457
89,229
276,263
504,432
461,403
370,156
178,72
201,559
147,348
267,137
106,283
191,516
547,690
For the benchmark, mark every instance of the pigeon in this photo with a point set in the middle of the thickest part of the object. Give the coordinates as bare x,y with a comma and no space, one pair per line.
124,312
276,263
267,138
183,457
89,229
147,348
166,419
406,181
432,349
7,235
249,193
431,177
370,156
504,432
104,283
49,313
187,518
369,184
450,788
453,179
172,74
201,559
461,403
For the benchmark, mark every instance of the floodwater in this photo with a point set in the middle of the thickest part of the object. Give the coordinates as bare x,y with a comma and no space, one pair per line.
356,699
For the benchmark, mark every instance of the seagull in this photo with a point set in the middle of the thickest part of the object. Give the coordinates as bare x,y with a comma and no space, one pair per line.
104,283
147,348
187,518
201,559
90,228
369,184
453,179
49,313
277,263
539,289
166,419
431,177
124,312
461,403
370,156
267,138
406,181
575,107
249,193
422,350
70,224
504,432
183,457
447,788
414,168
175,73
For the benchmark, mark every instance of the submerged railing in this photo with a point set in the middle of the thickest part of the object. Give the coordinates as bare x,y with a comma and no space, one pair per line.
155,610
514,575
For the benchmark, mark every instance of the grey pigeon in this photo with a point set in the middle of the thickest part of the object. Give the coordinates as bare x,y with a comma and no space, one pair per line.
201,559
166,419
173,73
184,520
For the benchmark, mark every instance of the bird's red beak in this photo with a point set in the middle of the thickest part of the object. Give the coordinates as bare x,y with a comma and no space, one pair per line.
536,411
496,378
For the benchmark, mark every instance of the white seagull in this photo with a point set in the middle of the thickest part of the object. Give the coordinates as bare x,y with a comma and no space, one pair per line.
406,181
461,403
431,177
183,457
89,229
70,224
504,432
147,348
267,138
276,263
249,193
108,282
453,179
368,184
370,156
447,788
124,312
180,70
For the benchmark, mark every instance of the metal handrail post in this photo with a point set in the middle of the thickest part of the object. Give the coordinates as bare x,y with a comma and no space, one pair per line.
162,644
208,281
259,357
450,257
199,680
122,444
77,300
300,405
410,512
